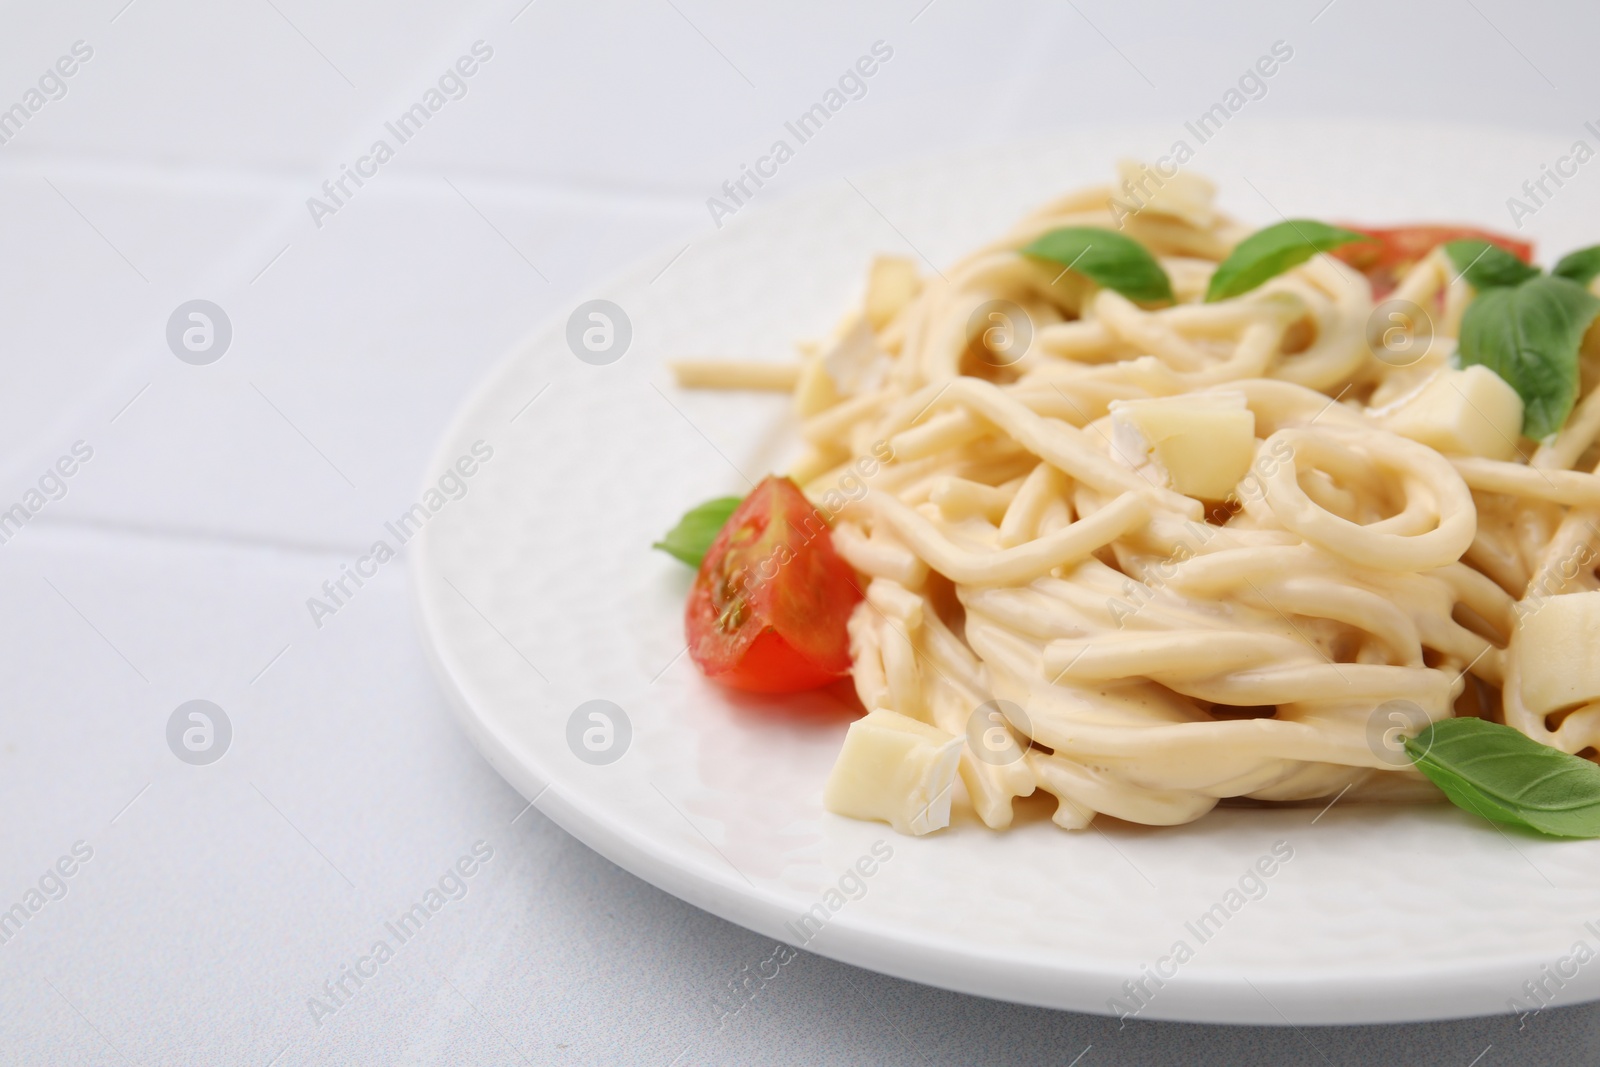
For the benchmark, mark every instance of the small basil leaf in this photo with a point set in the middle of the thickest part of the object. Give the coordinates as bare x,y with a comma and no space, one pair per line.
1581,266
1267,253
1529,335
1486,265
1107,258
691,539
1500,774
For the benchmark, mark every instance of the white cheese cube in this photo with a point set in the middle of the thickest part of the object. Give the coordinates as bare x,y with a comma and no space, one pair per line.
815,391
1555,645
1470,412
1182,196
895,769
892,284
854,361
1200,445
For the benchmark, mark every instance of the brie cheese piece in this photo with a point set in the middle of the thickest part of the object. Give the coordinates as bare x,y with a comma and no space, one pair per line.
1554,644
895,769
1470,412
1200,445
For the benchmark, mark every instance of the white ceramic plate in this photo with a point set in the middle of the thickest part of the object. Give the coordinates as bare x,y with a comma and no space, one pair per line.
538,592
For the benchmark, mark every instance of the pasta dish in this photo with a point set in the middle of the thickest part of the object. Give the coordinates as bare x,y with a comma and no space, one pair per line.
1146,509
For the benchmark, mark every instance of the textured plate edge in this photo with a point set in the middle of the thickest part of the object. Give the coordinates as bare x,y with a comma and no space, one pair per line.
1228,997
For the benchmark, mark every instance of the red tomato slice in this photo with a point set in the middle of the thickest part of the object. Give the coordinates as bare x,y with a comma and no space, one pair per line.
1392,250
768,609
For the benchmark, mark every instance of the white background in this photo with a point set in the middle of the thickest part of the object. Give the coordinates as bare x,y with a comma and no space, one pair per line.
177,566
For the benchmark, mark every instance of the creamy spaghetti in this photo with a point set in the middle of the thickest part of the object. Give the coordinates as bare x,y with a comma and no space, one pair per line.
1031,562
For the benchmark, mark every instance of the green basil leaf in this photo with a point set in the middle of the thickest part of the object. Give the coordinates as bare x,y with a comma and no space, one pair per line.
1501,774
691,539
1581,266
1107,258
1486,265
1267,253
1529,335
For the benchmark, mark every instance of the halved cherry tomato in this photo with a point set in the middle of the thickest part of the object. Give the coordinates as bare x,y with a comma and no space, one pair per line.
1392,250
768,609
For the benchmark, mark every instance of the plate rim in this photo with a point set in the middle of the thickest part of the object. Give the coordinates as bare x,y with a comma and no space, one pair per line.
1223,995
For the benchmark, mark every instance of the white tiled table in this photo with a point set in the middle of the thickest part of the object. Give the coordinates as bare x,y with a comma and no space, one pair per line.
177,165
